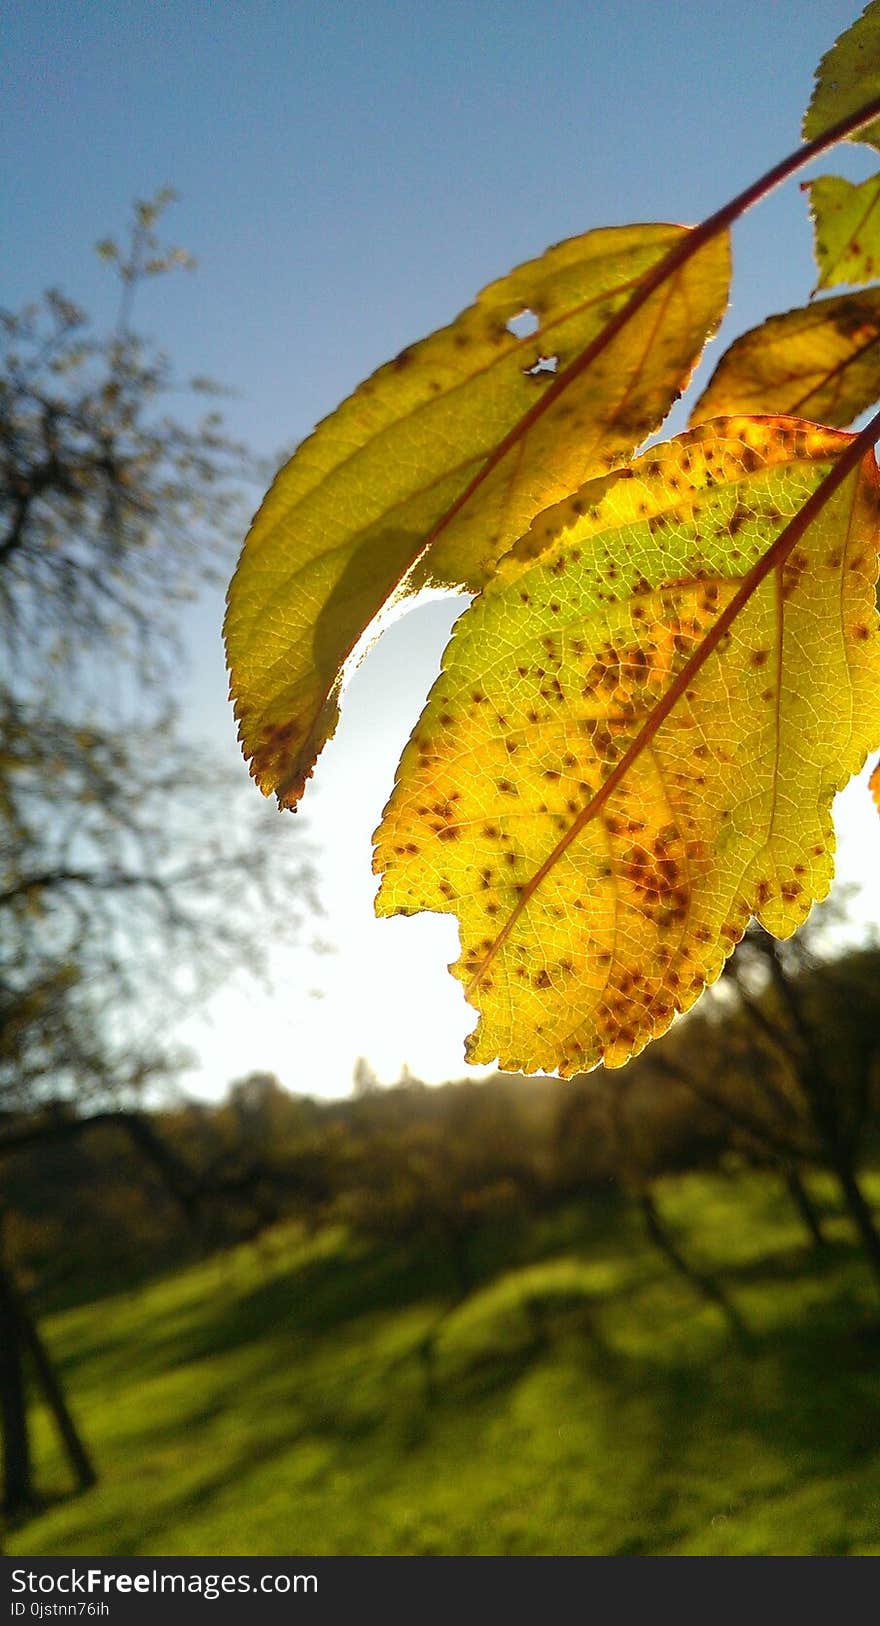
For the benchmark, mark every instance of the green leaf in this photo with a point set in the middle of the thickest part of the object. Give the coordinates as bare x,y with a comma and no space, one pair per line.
846,220
429,472
820,362
636,737
848,77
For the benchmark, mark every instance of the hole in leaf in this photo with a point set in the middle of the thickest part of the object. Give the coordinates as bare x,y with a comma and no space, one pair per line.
524,324
543,367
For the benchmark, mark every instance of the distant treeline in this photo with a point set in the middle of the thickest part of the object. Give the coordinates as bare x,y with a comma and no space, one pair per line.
780,1067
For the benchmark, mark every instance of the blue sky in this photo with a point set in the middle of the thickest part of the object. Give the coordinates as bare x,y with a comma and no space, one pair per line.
350,175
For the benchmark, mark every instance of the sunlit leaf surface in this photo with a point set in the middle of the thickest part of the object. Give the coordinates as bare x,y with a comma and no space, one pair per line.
846,219
847,77
339,531
557,669
821,362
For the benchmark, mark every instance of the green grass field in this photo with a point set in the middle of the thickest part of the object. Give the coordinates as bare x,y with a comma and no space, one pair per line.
280,1400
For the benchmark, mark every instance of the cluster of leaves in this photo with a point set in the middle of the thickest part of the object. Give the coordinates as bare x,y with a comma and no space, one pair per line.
671,662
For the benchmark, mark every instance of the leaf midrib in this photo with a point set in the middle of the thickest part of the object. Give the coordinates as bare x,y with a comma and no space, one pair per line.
774,557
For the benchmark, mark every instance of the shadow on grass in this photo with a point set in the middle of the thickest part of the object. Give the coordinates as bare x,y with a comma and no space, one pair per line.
808,1392
357,1365
374,1278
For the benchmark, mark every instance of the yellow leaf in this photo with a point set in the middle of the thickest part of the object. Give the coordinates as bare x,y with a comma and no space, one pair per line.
821,362
602,787
846,219
874,785
847,78
457,444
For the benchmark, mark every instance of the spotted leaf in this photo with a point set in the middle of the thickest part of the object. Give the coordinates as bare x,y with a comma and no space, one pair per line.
436,464
822,362
847,78
636,736
846,221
